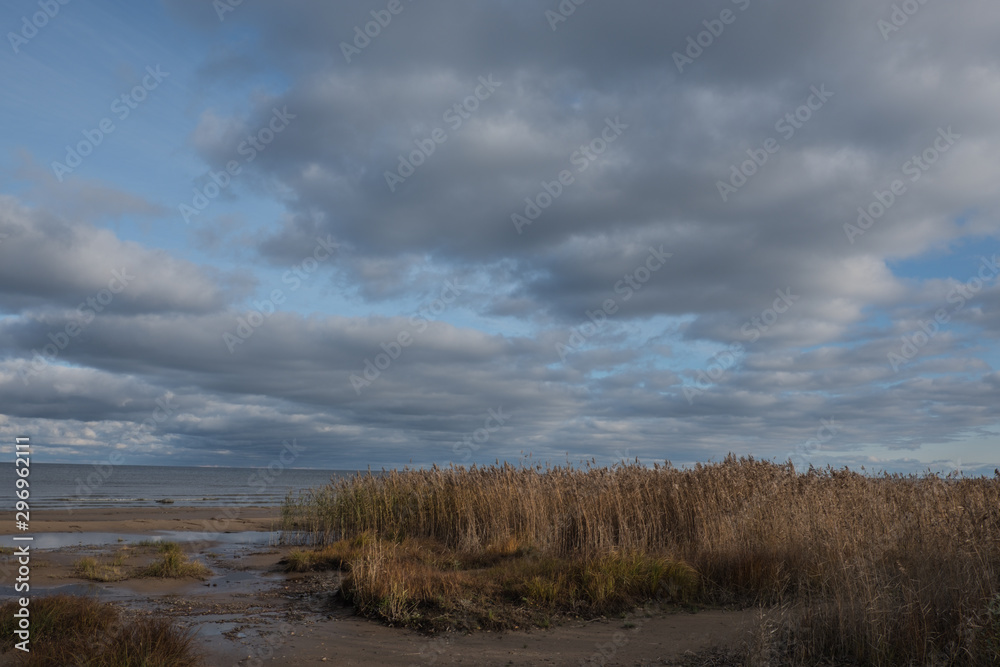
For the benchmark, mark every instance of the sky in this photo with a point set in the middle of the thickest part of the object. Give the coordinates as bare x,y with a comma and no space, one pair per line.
401,233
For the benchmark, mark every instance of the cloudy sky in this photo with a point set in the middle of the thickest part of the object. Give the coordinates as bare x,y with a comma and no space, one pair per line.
404,233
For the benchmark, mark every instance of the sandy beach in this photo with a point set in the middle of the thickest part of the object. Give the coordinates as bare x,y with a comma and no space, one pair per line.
250,612
138,520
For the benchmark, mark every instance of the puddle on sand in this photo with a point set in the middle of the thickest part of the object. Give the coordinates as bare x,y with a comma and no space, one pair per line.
69,589
224,559
210,625
61,540
236,581
252,626
255,631
239,538
104,592
240,636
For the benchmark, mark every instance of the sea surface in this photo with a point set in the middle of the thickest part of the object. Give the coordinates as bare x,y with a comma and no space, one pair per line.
65,486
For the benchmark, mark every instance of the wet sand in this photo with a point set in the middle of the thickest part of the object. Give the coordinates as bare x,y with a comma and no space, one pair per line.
249,612
139,520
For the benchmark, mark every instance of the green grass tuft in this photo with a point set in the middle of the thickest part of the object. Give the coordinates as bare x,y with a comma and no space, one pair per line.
172,563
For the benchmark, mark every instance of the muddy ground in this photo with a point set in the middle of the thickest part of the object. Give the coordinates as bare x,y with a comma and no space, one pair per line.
249,612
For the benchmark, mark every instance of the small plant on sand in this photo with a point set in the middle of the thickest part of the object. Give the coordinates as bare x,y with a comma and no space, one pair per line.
104,569
174,564
171,562
148,543
298,561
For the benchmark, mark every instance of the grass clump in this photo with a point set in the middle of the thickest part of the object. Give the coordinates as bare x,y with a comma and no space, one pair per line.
170,562
174,564
874,570
74,631
113,569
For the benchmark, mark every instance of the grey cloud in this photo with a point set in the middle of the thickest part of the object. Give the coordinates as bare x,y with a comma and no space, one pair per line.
622,393
49,260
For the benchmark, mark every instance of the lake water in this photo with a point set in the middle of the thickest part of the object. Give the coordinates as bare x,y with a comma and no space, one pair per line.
62,486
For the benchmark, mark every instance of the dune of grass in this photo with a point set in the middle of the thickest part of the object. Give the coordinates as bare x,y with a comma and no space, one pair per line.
874,570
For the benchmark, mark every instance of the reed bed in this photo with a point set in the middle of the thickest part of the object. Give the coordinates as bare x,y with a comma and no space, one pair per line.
880,570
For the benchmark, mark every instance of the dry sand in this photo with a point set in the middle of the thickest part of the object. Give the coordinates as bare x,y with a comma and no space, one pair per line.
250,613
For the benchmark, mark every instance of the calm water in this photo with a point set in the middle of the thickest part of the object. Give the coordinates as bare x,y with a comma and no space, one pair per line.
59,485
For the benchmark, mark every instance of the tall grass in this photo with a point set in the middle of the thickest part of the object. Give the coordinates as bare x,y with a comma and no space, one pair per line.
881,570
